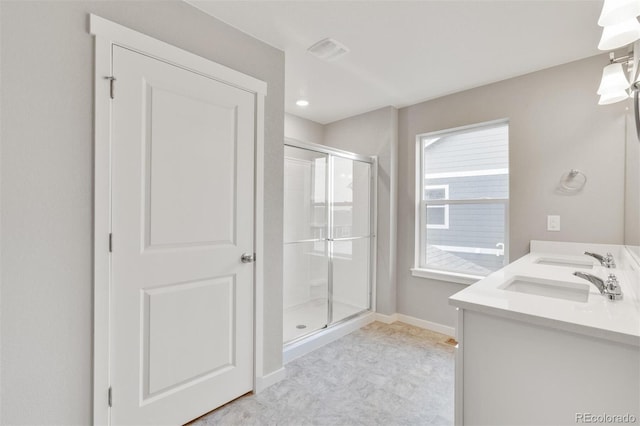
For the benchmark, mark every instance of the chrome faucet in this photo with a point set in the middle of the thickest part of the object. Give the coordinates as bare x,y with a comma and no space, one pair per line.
607,261
609,288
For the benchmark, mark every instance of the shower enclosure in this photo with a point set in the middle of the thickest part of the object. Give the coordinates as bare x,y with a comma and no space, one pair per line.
329,240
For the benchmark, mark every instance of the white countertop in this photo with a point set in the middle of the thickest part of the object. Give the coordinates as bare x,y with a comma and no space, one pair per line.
618,321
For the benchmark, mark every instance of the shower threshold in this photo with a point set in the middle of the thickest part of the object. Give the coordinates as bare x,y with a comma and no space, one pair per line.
311,341
305,318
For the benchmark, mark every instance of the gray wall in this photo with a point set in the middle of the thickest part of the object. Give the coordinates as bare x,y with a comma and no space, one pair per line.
47,190
632,174
303,130
555,125
375,133
632,183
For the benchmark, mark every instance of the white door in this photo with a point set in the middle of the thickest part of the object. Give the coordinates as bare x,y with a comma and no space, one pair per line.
181,304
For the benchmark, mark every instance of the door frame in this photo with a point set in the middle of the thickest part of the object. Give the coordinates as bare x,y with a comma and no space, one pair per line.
107,35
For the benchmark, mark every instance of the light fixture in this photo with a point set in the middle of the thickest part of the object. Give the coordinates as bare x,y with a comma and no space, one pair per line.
613,97
616,11
620,34
613,79
302,102
620,21
614,83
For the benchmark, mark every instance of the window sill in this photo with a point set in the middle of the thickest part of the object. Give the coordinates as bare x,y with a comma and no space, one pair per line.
453,277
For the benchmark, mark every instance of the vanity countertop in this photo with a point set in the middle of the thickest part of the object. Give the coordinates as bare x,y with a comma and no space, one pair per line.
617,321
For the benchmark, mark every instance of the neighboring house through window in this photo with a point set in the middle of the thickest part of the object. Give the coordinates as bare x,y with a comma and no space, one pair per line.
463,190
437,215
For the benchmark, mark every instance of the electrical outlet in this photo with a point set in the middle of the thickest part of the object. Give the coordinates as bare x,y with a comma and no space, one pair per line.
553,223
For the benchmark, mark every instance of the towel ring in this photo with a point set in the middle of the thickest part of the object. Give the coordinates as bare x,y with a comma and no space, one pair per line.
572,181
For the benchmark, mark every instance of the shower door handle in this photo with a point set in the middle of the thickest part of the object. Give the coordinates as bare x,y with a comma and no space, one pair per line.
248,257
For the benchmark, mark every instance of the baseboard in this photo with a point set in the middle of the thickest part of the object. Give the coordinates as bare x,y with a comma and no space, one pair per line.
270,379
428,325
324,337
387,319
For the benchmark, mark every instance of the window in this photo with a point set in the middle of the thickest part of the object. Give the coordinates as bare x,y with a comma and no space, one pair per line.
463,199
437,216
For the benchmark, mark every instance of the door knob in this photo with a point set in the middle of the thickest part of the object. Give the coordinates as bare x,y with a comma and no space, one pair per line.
248,257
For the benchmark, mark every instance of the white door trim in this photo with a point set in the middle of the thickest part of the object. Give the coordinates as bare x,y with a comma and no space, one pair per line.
107,34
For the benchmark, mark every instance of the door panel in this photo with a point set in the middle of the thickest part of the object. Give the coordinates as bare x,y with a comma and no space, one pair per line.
306,294
176,355
182,216
350,207
351,277
190,165
305,203
306,273
352,235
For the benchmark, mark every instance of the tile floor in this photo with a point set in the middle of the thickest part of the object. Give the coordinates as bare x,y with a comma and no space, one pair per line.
382,374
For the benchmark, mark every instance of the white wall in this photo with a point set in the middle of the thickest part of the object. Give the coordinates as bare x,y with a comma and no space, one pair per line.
555,124
47,190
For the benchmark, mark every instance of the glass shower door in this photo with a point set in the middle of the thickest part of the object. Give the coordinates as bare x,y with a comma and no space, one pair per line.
306,272
350,237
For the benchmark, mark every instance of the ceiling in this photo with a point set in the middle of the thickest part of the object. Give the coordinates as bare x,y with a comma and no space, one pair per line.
405,52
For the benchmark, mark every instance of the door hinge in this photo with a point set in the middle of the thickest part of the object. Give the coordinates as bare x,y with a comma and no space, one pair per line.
110,243
110,396
112,84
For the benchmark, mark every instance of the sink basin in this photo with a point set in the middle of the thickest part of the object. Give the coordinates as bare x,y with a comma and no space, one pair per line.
548,288
569,263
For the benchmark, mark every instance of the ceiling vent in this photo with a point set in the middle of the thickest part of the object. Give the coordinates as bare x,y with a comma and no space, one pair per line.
328,49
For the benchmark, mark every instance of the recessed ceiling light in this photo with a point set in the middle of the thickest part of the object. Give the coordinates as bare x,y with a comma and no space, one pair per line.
302,102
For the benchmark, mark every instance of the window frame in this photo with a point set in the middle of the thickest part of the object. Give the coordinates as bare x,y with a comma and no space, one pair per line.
421,204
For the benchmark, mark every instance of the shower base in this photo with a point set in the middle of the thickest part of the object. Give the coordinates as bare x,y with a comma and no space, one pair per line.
312,316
